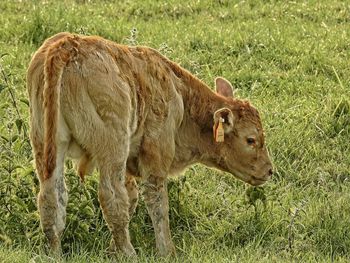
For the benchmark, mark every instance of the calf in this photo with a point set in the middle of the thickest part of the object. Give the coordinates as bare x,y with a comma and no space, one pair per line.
133,113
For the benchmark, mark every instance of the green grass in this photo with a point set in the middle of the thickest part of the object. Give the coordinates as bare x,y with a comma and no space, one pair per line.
290,58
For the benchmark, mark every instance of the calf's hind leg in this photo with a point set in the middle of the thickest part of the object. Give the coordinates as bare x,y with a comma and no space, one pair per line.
133,193
52,198
133,196
113,196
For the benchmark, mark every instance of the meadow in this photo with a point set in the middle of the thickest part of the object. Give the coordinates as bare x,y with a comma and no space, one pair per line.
289,58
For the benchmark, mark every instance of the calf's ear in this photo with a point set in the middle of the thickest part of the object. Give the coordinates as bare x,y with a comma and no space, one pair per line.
223,87
226,118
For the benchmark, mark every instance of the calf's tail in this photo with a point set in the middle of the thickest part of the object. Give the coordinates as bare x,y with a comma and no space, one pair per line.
58,55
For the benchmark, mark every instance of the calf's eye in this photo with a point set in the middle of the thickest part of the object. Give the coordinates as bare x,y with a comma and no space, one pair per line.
251,141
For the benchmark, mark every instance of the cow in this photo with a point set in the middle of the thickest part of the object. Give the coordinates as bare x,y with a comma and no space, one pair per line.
132,113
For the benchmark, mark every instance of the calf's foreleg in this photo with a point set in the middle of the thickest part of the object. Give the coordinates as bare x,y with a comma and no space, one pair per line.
156,199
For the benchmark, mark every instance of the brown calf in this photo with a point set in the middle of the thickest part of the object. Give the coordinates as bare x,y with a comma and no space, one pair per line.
133,113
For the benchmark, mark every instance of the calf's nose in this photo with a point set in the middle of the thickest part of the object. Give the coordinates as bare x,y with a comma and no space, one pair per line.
270,172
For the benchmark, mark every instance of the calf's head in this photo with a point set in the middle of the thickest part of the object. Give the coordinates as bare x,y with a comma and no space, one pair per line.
239,139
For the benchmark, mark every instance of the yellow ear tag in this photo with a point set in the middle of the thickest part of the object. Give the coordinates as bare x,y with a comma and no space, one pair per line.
219,131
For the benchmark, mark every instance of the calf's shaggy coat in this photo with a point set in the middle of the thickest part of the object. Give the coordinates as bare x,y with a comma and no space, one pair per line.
133,113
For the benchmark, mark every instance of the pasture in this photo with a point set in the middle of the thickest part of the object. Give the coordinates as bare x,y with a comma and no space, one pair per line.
289,58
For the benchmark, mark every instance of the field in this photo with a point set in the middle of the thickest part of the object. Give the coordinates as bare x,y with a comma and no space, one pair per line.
289,58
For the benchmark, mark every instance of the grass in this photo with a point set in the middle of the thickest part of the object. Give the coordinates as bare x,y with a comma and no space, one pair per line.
289,58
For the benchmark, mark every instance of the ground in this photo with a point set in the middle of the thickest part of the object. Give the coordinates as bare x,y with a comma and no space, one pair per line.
289,58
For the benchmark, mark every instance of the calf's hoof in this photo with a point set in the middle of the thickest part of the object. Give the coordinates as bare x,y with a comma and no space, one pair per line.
53,243
125,249
168,251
